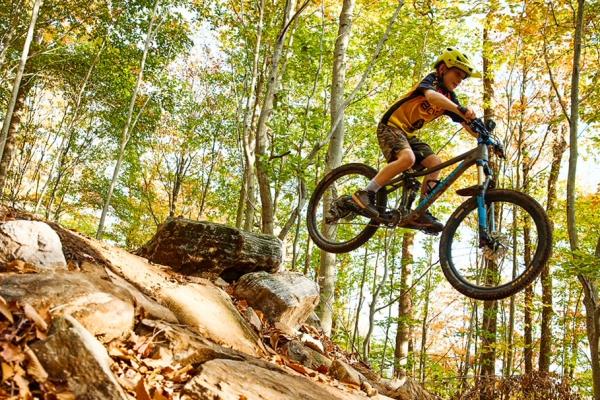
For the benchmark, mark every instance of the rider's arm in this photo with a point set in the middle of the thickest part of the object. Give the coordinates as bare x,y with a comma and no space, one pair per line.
468,129
439,100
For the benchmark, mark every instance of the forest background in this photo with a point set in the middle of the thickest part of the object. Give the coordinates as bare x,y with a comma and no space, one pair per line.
117,115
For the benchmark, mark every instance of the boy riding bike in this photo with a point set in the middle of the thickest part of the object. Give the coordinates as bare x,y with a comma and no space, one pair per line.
433,97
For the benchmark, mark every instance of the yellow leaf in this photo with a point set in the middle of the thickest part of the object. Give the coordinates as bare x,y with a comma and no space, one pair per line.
7,372
5,311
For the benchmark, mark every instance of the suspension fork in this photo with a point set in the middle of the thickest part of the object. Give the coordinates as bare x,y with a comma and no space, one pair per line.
484,176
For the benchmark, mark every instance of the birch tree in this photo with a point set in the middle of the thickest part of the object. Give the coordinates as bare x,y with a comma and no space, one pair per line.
16,101
334,158
126,133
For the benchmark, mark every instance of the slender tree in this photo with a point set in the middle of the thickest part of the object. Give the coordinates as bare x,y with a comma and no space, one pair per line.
334,158
126,133
20,89
404,307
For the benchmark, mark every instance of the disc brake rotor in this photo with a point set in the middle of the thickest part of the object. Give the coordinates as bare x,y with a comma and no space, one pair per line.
497,248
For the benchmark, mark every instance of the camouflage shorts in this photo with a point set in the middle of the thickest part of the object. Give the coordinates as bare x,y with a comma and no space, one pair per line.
392,140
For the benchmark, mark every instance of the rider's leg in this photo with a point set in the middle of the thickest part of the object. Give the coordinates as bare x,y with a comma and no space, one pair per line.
399,155
427,159
405,159
365,199
430,162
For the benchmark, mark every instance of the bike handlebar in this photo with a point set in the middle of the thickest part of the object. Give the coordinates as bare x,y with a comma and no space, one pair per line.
484,130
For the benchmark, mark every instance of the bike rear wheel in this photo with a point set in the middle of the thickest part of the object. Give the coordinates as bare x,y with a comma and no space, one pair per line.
521,230
334,223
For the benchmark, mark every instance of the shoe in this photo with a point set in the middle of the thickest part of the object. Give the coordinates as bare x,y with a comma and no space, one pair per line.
428,221
365,200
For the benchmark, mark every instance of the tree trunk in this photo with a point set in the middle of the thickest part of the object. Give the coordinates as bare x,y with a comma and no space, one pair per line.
590,290
248,141
528,306
19,92
126,134
264,182
425,317
334,157
558,149
366,345
487,356
404,307
11,136
363,279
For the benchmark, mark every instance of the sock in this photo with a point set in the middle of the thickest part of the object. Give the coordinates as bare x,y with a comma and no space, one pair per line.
373,186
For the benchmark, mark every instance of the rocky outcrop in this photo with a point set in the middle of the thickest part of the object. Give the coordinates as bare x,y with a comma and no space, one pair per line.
32,242
285,298
212,250
125,327
102,308
248,381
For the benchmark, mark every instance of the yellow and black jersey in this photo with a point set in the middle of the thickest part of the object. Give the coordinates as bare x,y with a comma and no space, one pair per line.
413,110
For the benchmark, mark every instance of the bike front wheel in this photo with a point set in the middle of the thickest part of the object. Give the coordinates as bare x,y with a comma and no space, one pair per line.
522,243
334,222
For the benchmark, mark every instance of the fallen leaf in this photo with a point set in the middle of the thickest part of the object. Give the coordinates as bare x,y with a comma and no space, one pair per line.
5,311
140,391
297,367
34,367
11,353
7,372
158,395
323,369
23,385
274,339
33,315
65,396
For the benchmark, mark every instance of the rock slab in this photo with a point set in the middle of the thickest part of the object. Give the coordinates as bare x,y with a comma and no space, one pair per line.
209,249
287,298
72,354
33,242
235,380
103,309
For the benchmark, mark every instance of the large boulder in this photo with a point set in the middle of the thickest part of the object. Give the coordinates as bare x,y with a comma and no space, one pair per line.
103,309
287,298
72,354
33,242
212,250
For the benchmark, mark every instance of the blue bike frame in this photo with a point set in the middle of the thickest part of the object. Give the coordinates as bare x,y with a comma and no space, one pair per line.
478,157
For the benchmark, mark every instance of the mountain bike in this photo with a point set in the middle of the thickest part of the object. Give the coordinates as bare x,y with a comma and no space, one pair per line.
493,245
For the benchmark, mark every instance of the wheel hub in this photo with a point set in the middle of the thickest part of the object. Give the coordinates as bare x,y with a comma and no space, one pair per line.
341,208
496,248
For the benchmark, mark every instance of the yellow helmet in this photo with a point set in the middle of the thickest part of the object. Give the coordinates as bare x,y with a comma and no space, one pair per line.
456,58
